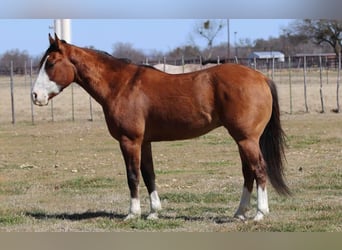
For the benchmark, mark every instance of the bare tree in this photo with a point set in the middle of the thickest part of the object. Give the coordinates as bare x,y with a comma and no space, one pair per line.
209,30
17,57
126,50
187,52
321,31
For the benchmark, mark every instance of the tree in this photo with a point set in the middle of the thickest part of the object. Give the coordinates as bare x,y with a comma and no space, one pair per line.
321,31
17,57
126,50
209,30
187,51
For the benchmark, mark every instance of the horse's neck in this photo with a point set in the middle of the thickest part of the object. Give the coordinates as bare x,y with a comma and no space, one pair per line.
100,77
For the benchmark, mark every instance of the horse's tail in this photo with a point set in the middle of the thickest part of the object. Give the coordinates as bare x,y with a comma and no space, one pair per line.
272,144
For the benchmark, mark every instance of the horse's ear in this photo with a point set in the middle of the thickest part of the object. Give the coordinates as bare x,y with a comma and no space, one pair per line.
57,41
51,39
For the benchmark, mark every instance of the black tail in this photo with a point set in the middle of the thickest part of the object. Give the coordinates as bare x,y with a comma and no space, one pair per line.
272,144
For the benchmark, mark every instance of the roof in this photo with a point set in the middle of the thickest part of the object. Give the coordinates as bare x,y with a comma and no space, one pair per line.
266,54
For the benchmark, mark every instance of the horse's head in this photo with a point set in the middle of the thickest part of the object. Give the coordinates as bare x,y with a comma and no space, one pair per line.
56,72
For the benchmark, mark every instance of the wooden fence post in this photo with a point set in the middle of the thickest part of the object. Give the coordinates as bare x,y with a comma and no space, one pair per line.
321,84
31,84
91,108
290,82
72,103
12,94
338,83
305,95
52,114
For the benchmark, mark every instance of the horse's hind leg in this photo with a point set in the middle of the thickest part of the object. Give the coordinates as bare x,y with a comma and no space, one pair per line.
254,167
148,174
246,190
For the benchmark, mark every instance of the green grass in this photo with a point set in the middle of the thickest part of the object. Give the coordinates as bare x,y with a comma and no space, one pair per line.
86,185
139,224
14,188
199,189
300,142
11,220
181,197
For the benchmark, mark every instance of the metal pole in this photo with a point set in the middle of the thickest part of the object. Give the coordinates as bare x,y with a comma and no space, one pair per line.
290,81
52,115
338,83
91,108
72,103
12,93
164,67
321,84
272,68
31,83
228,40
305,97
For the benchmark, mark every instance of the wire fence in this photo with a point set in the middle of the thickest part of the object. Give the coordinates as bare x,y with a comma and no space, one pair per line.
305,84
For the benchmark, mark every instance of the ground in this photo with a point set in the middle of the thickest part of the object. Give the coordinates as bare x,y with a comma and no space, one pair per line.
70,176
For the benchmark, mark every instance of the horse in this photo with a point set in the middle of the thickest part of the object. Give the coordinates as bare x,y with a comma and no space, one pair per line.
142,105
179,69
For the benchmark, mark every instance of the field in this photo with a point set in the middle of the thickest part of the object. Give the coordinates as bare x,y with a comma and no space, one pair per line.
70,176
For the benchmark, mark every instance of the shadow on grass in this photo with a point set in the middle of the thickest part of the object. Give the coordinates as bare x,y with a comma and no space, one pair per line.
215,219
111,215
75,216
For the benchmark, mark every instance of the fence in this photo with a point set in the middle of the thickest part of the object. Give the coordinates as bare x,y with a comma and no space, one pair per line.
305,84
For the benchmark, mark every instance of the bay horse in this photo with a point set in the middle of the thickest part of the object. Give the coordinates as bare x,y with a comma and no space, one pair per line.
143,105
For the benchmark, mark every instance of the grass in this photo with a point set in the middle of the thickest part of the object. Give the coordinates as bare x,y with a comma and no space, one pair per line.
82,184
189,197
77,181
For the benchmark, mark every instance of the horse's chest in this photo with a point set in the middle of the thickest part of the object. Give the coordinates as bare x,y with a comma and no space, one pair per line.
124,119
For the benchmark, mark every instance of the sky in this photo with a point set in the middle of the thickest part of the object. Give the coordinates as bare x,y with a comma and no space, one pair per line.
147,35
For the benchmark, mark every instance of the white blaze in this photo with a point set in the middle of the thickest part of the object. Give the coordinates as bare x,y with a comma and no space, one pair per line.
44,87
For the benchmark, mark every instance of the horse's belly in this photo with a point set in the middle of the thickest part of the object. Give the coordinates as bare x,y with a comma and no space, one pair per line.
179,130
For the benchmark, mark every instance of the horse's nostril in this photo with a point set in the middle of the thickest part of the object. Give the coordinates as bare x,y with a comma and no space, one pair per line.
34,95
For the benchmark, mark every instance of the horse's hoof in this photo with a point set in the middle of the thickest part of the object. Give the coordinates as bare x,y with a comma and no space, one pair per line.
131,216
241,217
153,216
259,216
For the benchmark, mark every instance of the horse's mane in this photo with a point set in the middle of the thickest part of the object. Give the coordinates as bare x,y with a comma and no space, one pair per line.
124,60
53,47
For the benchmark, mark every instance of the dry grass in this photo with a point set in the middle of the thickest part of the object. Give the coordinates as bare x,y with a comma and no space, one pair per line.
67,176
70,176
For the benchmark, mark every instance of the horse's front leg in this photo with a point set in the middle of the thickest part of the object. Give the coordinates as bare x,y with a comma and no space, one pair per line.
131,150
148,174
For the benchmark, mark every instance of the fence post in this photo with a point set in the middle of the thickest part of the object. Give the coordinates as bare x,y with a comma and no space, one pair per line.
338,83
52,114
164,68
183,63
31,84
12,93
290,81
272,74
305,96
91,108
72,103
321,84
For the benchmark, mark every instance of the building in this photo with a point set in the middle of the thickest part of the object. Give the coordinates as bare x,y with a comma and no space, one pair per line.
266,55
